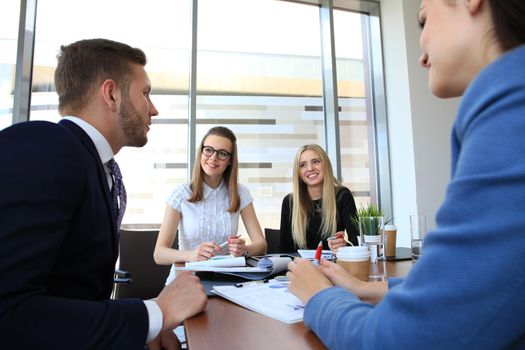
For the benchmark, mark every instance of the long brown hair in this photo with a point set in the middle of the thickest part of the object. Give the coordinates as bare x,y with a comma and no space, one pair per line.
301,202
230,173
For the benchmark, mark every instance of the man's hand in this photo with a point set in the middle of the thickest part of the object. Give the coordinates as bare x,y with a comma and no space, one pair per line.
305,279
166,340
184,297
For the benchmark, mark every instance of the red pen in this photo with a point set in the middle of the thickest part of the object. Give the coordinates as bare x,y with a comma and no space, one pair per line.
318,252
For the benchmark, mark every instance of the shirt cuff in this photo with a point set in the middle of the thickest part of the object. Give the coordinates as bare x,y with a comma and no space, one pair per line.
155,319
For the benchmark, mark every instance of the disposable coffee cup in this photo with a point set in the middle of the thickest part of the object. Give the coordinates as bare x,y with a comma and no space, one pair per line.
390,238
355,260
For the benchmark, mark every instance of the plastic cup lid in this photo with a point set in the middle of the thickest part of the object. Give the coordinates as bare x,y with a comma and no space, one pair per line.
353,253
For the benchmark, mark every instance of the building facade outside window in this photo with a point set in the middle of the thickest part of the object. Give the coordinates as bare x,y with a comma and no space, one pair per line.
255,73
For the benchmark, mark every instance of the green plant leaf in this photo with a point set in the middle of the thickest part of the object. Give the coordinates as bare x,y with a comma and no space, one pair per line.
368,210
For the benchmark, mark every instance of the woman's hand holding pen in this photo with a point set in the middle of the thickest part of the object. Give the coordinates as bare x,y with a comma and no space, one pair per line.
305,279
237,246
204,251
366,291
337,241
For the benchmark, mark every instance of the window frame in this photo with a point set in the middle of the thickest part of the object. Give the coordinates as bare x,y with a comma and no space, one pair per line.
380,186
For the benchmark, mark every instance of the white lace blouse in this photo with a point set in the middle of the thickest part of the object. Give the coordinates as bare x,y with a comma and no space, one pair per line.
207,220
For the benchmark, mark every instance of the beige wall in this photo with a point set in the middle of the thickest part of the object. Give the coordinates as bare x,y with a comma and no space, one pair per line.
419,124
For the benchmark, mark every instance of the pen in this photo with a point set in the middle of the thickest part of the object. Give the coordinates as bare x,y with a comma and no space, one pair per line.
242,284
224,244
318,252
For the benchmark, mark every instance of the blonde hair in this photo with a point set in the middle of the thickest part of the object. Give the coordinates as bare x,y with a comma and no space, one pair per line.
230,173
301,202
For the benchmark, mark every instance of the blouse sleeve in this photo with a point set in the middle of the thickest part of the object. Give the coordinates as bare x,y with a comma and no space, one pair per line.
246,197
286,243
346,209
176,197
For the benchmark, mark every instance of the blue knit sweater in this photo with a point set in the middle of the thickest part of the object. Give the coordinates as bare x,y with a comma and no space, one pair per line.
467,291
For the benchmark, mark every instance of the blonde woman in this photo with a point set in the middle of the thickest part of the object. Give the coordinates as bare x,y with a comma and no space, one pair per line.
206,211
319,207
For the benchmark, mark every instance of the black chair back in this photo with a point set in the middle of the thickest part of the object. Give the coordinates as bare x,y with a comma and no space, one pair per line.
136,257
273,239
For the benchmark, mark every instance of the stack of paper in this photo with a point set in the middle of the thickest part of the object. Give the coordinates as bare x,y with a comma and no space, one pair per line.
273,266
257,268
219,261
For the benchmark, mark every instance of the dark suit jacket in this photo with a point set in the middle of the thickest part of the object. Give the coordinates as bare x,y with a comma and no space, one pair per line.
58,245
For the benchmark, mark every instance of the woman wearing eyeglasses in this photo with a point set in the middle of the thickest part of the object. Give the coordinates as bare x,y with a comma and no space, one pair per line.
206,211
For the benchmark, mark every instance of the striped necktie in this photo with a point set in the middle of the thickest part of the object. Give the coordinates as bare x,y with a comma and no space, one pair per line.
118,191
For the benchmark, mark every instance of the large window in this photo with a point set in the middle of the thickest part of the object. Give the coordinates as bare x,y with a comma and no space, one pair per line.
9,17
258,69
354,118
162,29
264,82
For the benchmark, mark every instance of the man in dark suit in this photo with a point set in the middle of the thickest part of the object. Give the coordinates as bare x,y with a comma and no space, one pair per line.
58,221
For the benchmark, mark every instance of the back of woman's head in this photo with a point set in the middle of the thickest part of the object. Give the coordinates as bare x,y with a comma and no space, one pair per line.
509,22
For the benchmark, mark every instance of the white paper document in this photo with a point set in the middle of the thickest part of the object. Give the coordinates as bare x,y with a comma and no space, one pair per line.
310,254
223,269
239,267
219,261
271,299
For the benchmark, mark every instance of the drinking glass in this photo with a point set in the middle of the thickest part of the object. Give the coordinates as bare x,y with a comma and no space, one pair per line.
418,230
372,234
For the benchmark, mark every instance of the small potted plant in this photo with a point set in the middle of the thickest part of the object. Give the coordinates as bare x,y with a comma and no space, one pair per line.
370,222
369,210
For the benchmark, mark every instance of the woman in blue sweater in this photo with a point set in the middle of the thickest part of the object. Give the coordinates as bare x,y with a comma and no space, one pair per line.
467,291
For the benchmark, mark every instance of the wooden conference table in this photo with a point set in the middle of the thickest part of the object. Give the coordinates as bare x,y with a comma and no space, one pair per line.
225,325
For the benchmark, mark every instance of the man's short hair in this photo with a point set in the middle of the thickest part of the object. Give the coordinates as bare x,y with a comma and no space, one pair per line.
85,63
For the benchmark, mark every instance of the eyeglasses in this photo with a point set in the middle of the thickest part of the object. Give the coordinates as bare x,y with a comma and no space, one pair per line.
221,154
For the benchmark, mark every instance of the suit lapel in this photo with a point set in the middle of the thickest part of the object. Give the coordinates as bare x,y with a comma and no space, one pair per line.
103,182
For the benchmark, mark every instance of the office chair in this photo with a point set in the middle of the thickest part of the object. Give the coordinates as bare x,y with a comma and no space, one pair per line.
136,257
273,239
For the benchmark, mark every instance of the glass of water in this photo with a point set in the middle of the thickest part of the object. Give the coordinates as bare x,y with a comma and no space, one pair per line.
418,230
372,234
